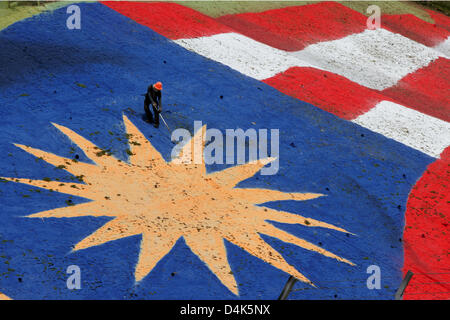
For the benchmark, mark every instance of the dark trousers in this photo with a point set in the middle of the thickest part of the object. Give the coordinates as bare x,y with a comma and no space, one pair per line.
149,113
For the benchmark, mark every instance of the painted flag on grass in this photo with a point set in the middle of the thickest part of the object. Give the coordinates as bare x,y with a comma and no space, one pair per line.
86,182
393,81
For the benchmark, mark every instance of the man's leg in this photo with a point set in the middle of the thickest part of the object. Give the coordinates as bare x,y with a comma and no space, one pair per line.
156,117
148,113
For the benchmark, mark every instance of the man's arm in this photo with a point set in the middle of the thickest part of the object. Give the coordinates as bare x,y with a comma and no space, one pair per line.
153,102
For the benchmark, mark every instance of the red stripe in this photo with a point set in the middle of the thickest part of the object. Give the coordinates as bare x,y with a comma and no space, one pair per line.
294,28
171,20
328,91
416,29
440,19
426,90
426,236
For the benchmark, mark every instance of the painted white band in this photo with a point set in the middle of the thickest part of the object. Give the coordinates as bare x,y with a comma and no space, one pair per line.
410,127
377,59
444,47
249,57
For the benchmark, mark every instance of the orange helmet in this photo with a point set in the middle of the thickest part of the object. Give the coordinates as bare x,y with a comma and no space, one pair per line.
158,86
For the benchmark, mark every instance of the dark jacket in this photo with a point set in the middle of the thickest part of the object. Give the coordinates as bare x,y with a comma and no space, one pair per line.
153,96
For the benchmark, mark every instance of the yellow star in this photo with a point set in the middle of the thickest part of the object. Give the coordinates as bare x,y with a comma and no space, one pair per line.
163,201
4,297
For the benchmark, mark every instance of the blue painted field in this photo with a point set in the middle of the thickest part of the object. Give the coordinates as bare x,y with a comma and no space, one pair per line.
87,79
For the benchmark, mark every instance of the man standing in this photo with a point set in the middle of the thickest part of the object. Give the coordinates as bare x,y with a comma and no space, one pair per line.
153,97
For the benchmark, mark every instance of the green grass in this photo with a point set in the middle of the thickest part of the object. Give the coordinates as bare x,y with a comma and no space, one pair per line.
391,7
442,6
22,10
220,8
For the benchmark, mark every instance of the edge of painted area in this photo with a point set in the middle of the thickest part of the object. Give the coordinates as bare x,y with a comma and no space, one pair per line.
425,235
10,16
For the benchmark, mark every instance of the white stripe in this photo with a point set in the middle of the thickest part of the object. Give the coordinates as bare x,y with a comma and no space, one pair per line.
243,54
377,59
410,127
444,47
